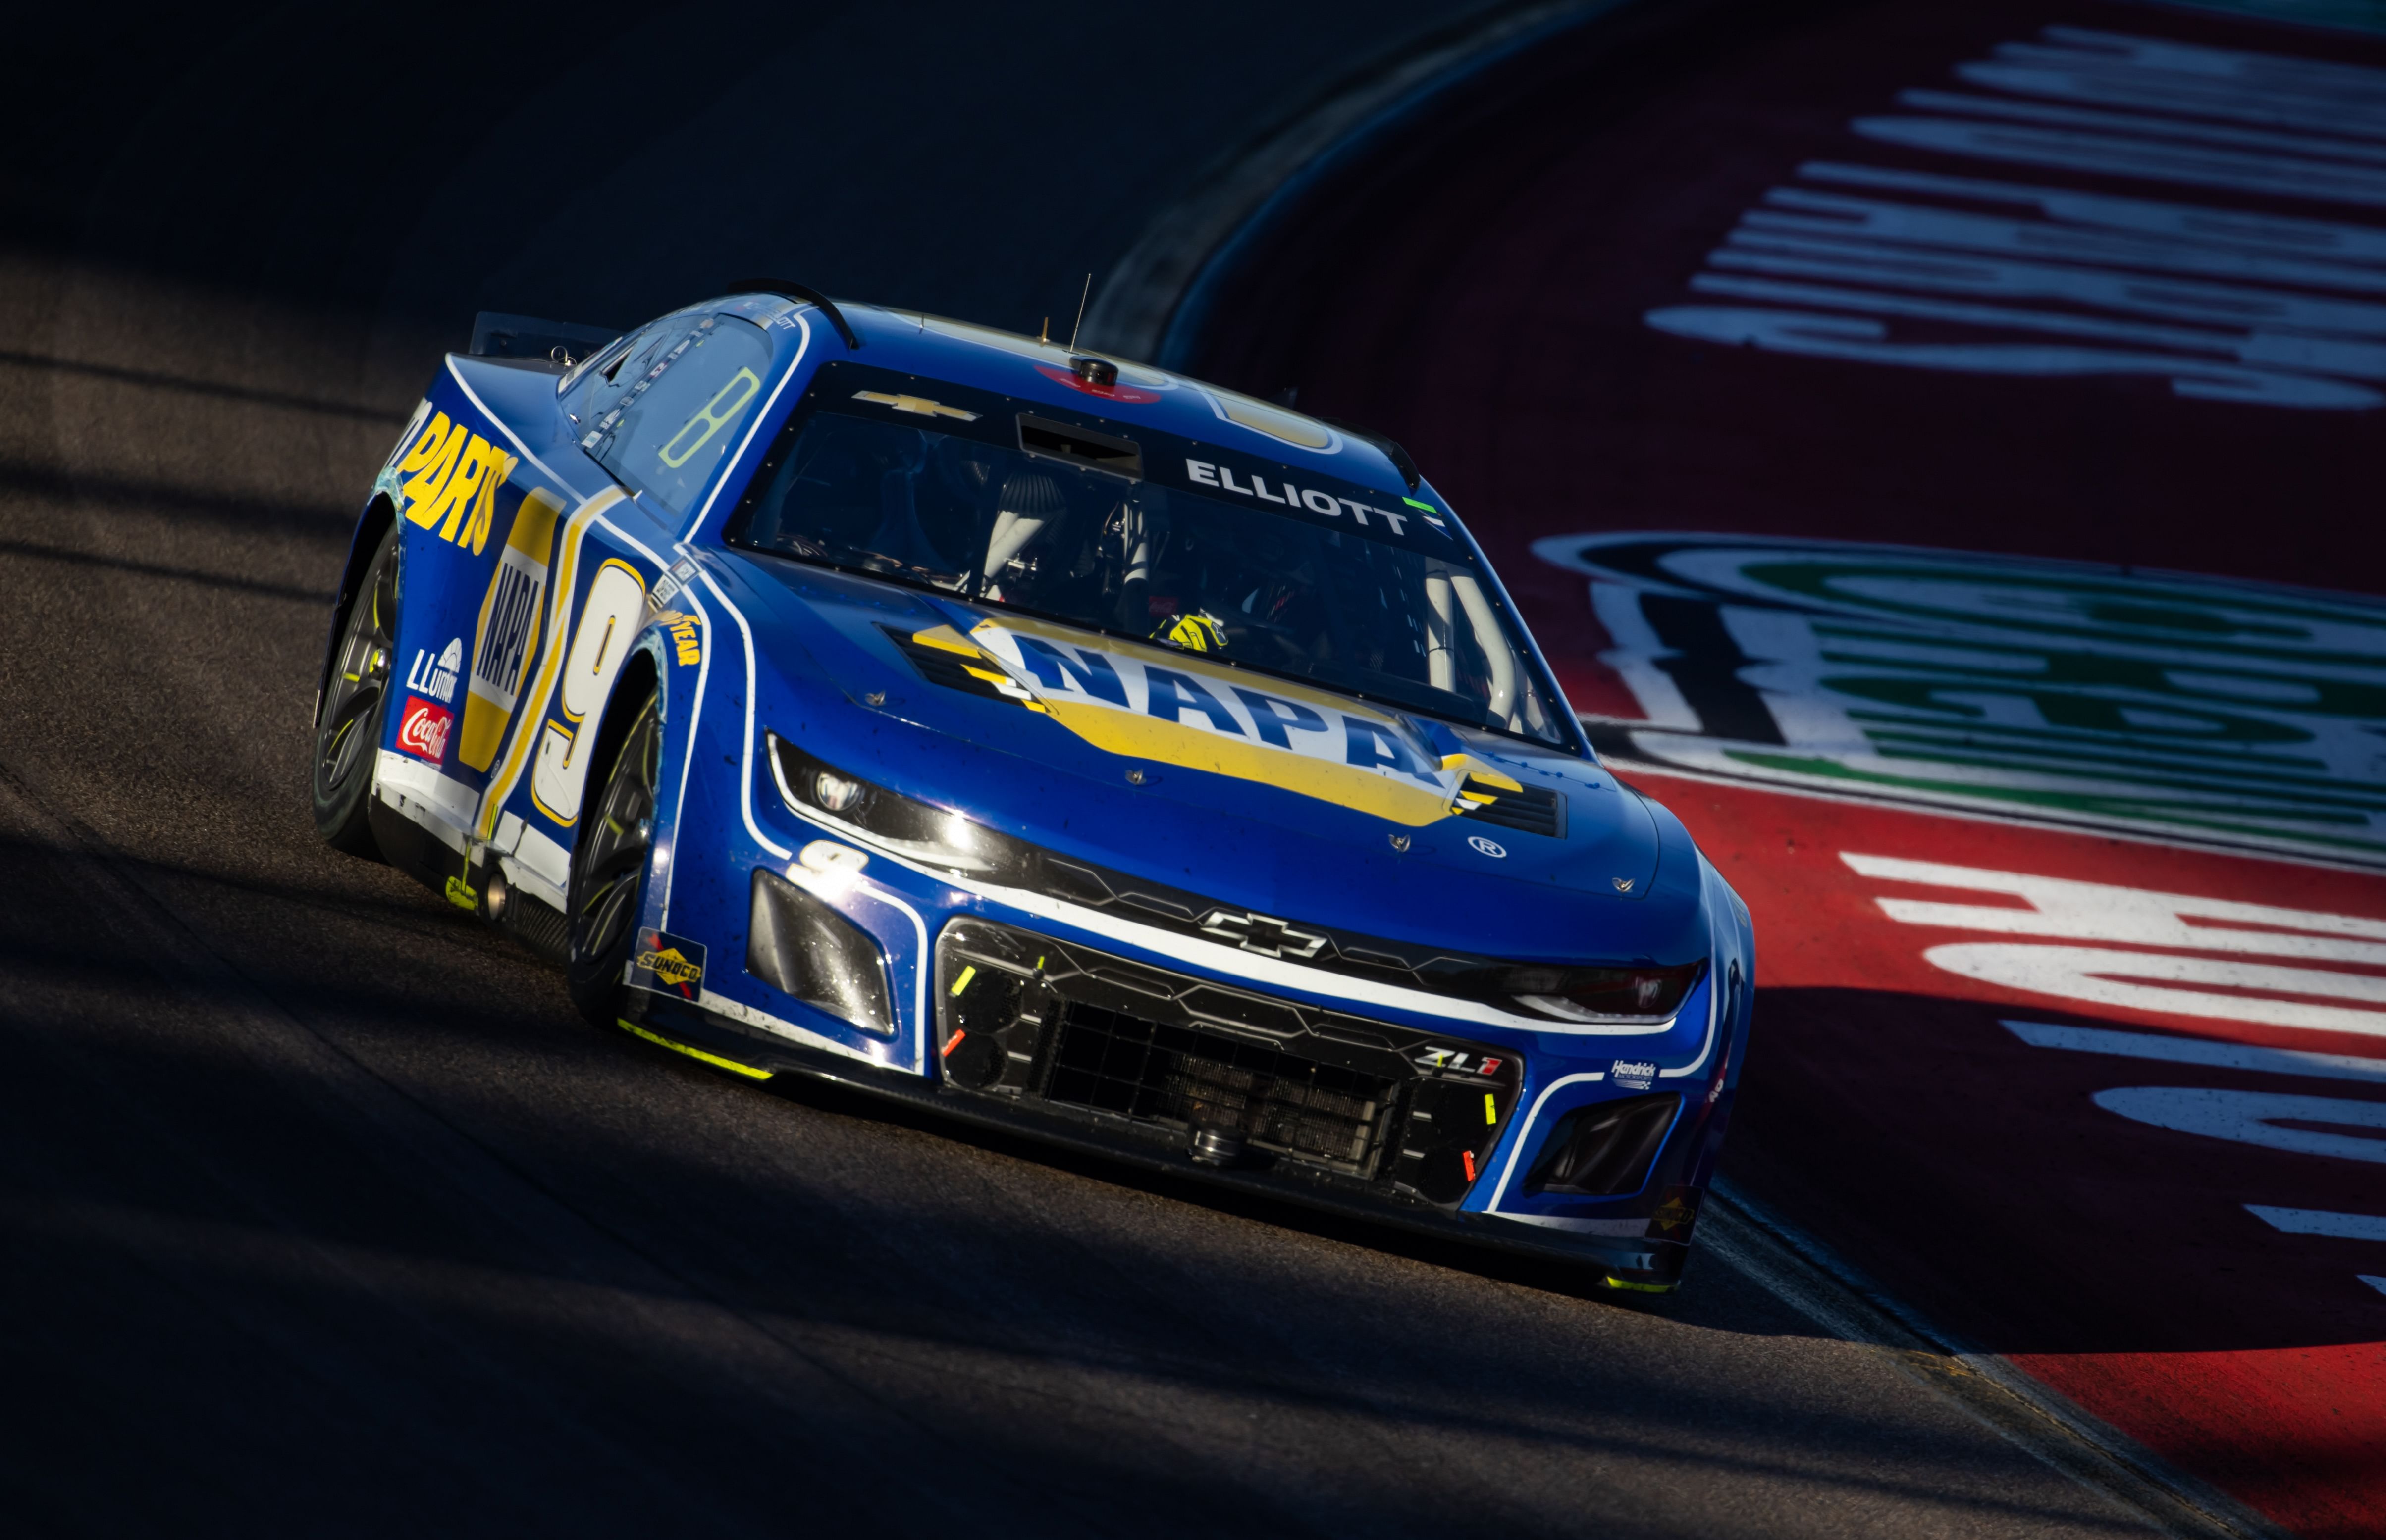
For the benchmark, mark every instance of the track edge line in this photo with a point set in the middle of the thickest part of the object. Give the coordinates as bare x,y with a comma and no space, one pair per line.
1815,1279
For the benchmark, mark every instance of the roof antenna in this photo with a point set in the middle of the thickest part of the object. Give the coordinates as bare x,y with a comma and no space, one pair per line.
1046,335
1082,296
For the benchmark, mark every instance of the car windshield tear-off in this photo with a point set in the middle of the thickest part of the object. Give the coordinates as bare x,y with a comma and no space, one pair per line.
1150,537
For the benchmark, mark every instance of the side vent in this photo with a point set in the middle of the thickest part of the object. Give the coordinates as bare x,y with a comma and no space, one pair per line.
1605,1149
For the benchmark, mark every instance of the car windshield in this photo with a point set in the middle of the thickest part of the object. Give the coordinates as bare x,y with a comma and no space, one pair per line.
964,513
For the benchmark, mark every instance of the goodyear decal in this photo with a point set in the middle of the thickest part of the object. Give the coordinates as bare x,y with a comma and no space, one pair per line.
687,640
1170,708
448,479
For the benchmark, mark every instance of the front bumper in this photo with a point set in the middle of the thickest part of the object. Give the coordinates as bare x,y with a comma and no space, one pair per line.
1074,1047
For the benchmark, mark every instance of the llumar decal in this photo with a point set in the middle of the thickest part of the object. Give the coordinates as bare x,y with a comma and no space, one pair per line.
506,636
517,755
600,645
1169,707
433,674
448,478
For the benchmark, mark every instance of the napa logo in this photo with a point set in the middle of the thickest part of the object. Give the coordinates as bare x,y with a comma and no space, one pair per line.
1170,708
446,478
2195,711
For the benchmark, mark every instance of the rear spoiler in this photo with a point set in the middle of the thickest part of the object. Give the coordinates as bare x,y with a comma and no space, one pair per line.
495,335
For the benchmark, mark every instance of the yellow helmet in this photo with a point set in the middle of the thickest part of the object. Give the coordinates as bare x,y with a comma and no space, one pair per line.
1195,631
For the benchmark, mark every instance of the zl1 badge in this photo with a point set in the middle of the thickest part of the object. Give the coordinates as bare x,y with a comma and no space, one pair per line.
673,965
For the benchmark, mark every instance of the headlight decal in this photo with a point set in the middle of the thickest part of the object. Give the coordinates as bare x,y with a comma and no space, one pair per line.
949,842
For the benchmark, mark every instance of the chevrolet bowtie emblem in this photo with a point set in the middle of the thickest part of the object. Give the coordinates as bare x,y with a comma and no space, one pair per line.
918,406
1262,934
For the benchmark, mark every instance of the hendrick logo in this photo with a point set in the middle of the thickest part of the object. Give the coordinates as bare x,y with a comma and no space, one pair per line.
1632,1074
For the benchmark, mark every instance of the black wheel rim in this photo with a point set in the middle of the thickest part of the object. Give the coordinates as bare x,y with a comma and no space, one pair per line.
612,851
359,683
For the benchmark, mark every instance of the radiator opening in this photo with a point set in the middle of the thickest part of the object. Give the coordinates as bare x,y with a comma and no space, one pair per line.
1172,1074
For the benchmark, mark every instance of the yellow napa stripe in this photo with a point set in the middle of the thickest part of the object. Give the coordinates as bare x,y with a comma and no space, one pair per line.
715,1059
1466,764
1490,1108
1127,733
969,972
1214,674
946,639
1147,737
1614,1282
531,706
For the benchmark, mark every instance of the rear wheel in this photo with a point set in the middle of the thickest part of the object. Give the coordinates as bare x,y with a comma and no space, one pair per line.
609,870
355,702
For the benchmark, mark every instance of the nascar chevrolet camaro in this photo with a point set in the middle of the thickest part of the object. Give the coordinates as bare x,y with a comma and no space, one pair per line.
1064,743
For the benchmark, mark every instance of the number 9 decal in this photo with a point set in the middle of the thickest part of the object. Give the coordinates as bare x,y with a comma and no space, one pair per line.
617,598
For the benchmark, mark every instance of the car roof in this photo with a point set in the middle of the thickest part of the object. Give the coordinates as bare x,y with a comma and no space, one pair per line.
1013,364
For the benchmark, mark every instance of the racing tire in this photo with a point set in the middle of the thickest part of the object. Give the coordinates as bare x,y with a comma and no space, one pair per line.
356,704
609,870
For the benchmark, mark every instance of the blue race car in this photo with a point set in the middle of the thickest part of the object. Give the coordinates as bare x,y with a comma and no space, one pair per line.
1063,743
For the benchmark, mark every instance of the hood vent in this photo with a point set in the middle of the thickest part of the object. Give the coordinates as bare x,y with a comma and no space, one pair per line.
1532,809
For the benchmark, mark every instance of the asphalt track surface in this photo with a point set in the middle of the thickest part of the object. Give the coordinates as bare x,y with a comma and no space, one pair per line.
2015,282
323,1212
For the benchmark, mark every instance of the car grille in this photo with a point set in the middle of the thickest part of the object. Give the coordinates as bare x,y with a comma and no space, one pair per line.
1122,1064
1169,1059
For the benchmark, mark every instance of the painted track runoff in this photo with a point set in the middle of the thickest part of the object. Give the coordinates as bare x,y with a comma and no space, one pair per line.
1938,446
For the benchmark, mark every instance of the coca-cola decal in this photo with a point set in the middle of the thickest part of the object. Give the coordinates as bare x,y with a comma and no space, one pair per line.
423,730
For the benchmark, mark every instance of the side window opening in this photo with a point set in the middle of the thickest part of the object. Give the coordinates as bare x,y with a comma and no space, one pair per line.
666,412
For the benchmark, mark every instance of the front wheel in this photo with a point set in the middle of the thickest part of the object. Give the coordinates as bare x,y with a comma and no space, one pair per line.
356,703
609,870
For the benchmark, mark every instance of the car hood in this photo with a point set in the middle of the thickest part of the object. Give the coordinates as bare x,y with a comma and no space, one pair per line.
1257,791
